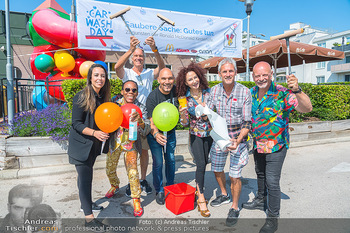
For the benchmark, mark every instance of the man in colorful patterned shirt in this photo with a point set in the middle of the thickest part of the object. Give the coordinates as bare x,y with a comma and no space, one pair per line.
232,101
272,105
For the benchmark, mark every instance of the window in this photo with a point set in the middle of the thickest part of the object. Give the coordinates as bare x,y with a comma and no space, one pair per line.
253,43
320,79
281,79
322,44
347,78
347,59
321,65
111,72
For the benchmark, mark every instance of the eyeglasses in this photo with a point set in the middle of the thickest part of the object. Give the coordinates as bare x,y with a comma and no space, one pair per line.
134,90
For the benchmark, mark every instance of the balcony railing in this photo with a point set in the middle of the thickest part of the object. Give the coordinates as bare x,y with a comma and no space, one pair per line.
344,48
341,68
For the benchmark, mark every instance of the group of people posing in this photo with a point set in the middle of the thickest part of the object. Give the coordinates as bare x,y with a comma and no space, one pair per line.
263,110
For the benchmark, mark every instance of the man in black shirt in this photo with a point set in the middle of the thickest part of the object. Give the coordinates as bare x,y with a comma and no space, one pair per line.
156,139
21,199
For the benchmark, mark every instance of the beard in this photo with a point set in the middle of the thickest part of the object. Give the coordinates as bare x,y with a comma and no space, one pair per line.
262,85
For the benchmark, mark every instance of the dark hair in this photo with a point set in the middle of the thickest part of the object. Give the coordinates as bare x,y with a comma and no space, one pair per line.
137,86
34,193
87,99
181,86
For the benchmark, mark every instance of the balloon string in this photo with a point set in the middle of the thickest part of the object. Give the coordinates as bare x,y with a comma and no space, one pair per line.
103,145
166,136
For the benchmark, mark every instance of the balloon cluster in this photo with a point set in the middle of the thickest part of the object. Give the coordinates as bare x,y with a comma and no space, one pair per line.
56,55
65,62
109,116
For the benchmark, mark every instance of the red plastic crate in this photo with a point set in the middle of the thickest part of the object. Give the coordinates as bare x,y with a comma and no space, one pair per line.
179,198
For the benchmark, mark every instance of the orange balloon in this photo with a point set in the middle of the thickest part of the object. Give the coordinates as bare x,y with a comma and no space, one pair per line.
108,117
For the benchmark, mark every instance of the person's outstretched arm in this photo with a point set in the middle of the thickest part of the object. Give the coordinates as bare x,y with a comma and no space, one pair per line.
119,66
150,41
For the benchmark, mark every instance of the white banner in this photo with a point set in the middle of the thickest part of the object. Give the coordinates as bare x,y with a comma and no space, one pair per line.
191,35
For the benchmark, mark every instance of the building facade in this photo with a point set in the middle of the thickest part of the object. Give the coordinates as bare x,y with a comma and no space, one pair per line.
322,72
22,48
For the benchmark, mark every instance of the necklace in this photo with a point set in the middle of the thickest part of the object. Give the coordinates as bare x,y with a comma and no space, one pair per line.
196,97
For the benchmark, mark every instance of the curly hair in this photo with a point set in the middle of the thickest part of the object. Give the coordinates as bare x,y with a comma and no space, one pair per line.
181,86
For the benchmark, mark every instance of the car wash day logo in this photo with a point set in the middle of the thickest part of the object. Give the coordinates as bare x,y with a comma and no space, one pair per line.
99,25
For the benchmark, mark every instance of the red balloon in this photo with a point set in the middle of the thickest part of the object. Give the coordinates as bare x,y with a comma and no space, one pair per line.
108,117
78,62
126,109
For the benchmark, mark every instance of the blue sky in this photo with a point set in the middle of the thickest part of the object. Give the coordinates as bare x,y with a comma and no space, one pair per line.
269,17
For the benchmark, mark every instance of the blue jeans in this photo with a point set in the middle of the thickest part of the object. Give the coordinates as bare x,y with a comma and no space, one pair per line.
157,157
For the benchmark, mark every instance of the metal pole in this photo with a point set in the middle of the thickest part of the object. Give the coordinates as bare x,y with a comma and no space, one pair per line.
248,9
17,95
72,14
288,54
247,78
47,90
10,94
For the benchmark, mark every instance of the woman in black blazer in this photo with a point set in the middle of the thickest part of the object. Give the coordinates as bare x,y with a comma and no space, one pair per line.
85,139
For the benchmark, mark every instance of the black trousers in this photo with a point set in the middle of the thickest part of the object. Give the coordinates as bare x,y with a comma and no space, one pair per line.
200,150
85,174
268,169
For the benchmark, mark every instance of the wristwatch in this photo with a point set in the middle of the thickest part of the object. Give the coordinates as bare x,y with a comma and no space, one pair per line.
298,91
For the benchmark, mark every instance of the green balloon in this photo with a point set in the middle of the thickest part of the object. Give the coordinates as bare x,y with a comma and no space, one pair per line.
165,116
44,63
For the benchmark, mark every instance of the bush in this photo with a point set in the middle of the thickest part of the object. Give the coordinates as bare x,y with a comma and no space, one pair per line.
333,100
71,87
335,83
53,121
330,102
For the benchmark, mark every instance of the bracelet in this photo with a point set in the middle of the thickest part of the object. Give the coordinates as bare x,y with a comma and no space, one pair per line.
154,135
155,50
298,91
93,133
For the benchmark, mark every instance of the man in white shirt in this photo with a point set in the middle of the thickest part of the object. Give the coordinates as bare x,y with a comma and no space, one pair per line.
144,79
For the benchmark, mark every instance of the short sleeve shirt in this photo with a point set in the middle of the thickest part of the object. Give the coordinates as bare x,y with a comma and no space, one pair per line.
270,118
144,82
156,97
235,107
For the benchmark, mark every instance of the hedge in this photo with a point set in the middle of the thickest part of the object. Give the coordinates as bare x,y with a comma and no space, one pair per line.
330,102
72,86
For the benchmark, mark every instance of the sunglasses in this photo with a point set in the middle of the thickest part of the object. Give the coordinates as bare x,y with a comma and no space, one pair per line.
134,90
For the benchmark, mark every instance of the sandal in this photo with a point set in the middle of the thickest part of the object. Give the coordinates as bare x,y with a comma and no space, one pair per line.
204,213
